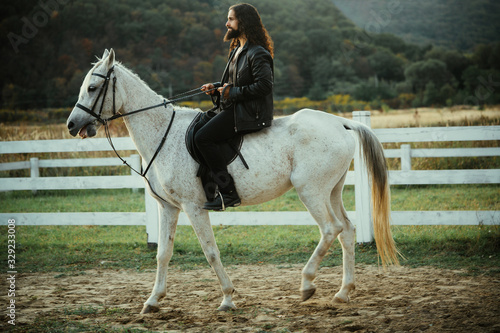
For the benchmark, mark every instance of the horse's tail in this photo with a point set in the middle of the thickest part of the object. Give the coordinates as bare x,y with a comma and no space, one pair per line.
373,154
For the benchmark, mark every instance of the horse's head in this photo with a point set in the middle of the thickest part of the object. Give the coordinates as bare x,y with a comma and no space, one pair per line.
97,101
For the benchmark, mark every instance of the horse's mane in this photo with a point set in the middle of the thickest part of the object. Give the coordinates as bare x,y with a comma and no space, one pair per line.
132,73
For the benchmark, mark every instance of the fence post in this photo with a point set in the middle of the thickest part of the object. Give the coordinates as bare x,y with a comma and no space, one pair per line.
135,162
362,188
151,219
406,157
35,172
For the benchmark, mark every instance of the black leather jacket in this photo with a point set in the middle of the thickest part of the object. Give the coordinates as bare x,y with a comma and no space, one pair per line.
252,92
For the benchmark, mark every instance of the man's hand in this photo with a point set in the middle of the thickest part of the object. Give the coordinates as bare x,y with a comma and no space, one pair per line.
226,93
208,88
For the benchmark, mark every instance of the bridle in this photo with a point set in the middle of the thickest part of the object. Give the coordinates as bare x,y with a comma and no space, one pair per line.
103,91
104,88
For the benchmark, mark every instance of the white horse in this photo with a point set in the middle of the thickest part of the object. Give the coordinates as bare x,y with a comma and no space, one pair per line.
310,150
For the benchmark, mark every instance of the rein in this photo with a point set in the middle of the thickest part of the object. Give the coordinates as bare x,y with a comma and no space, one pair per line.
103,91
104,88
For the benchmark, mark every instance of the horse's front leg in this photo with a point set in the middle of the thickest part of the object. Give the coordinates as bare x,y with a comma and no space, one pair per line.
168,223
201,224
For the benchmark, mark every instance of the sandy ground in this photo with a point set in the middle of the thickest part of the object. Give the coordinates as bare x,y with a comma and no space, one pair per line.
398,300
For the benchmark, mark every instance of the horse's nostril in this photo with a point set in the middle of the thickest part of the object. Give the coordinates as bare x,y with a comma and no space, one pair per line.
71,125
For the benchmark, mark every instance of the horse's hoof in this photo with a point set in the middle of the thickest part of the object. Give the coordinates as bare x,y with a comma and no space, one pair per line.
226,308
338,299
150,309
306,294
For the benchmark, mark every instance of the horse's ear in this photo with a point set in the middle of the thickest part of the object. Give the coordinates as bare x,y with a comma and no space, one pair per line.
111,58
105,54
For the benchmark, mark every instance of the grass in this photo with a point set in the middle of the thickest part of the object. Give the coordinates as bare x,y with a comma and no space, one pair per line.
70,250
403,198
474,248
73,249
73,201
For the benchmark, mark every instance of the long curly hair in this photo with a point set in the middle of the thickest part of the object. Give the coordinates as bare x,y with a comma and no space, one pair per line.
250,23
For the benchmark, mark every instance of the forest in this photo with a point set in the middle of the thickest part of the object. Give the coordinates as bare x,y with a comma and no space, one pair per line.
175,46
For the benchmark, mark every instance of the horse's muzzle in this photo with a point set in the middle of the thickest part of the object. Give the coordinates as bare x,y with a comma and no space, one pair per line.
83,128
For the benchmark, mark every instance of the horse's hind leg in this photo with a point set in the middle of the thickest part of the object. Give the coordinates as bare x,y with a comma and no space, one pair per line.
330,226
347,238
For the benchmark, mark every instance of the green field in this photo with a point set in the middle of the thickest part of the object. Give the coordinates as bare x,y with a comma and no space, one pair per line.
403,198
70,249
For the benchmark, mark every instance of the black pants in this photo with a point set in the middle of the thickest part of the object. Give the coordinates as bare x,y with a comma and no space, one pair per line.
220,128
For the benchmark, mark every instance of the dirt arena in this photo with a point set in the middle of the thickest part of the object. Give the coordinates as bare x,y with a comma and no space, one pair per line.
399,300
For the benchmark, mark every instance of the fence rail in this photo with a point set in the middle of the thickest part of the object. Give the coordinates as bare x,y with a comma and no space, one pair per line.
358,177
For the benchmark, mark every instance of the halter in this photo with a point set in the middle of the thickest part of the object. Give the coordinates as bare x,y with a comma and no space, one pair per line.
103,91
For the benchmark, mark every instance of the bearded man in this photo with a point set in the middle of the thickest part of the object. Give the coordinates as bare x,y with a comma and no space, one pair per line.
246,90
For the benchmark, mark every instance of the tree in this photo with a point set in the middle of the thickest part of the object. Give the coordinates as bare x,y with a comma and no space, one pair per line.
386,65
203,73
481,86
431,94
316,93
391,42
455,61
420,73
487,56
370,91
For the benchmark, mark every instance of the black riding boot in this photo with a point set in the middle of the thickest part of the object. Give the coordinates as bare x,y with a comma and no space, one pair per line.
227,197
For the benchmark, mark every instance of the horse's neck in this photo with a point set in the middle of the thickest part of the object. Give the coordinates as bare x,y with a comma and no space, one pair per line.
145,128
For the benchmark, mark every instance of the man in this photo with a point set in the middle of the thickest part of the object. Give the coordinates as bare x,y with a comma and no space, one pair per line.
246,91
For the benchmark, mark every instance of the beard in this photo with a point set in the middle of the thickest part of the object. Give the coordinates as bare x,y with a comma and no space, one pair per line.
231,34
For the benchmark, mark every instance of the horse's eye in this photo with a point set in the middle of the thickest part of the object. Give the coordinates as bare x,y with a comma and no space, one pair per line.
92,88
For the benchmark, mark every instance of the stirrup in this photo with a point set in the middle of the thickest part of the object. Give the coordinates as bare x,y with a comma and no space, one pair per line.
220,204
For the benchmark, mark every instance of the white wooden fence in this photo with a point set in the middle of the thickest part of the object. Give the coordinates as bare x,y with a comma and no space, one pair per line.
362,216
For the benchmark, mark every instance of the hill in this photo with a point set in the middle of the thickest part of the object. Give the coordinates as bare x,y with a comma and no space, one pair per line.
458,24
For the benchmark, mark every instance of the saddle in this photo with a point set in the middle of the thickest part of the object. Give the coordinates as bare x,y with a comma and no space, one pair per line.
230,150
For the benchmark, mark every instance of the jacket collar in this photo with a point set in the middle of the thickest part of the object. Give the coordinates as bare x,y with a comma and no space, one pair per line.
245,48
231,56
